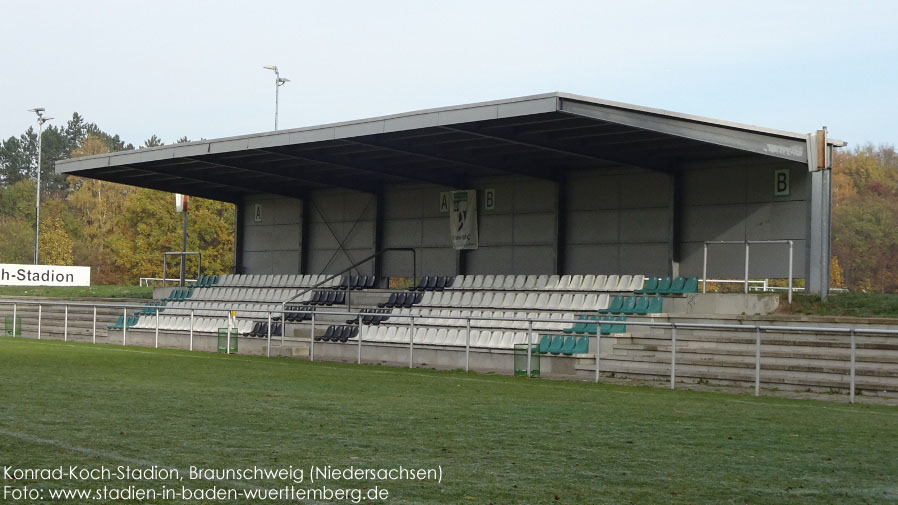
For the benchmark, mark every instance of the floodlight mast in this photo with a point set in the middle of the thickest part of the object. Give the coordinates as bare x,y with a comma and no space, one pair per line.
278,82
37,200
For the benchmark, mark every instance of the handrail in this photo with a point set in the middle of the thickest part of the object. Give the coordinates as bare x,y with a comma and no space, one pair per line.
747,245
369,258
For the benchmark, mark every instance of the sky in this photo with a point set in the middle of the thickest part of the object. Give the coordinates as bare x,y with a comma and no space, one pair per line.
194,68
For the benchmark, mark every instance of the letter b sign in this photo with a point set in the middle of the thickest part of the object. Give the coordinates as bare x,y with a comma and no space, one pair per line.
781,183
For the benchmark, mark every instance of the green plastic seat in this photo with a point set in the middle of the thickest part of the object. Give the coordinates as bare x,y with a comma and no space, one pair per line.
619,328
642,305
557,344
691,286
582,345
663,286
617,303
606,325
544,342
676,287
629,306
117,325
651,284
187,294
568,348
655,305
591,328
578,327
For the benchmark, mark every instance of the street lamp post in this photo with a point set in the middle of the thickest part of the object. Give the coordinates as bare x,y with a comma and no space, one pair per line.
278,82
37,200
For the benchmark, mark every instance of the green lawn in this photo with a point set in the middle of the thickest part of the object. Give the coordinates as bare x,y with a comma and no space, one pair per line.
79,292
848,304
497,439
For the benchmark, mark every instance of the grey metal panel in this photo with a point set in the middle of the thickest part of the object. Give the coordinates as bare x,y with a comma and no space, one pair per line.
714,185
533,259
588,191
593,259
526,107
647,259
534,229
644,189
593,227
412,122
285,237
645,225
403,233
491,260
714,222
495,230
435,232
531,196
776,220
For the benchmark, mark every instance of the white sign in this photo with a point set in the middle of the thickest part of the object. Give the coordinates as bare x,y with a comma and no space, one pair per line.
489,199
463,219
257,213
181,202
781,183
444,202
43,275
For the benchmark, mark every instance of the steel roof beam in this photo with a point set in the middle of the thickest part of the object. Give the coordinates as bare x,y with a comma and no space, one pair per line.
258,188
150,180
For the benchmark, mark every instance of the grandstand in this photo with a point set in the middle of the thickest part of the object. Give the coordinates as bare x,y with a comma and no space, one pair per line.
593,220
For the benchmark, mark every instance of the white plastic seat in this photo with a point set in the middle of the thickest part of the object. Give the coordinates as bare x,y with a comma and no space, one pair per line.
451,337
507,340
552,282
389,336
588,283
591,302
566,302
498,282
440,336
599,284
530,282
427,298
478,281
541,282
466,299
495,339
564,283
477,299
624,283
520,300
554,301
510,281
456,282
611,283
637,283
487,300
577,302
468,281
505,300
487,282
455,301
576,283
530,302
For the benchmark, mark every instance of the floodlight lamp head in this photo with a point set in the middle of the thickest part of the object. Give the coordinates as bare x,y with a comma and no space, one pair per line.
282,81
271,67
37,110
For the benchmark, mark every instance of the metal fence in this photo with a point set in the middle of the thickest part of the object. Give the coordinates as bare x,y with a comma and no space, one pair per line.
850,333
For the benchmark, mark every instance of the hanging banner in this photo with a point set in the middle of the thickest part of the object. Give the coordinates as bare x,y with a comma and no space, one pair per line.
463,219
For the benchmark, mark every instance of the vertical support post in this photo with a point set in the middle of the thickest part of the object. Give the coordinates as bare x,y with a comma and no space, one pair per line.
411,342
468,344
529,345
361,333
791,248
269,332
124,324
191,330
757,360
268,343
65,325
40,317
157,329
14,313
746,267
705,270
164,269
598,351
312,340
851,373
673,355
183,253
95,325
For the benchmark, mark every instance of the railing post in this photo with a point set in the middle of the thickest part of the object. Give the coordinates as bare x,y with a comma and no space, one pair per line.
746,266
791,247
94,327
65,325
268,344
14,320
411,342
851,373
361,331
467,344
529,345
673,355
191,329
705,270
157,328
598,350
124,325
312,340
757,360
269,331
39,317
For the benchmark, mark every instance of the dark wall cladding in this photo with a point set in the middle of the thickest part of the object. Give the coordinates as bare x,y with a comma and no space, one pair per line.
616,221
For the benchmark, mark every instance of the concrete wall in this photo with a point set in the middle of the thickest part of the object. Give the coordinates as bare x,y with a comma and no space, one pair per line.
273,245
735,201
616,221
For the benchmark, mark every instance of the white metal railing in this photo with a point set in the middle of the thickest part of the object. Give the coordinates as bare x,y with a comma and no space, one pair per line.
145,281
850,332
747,246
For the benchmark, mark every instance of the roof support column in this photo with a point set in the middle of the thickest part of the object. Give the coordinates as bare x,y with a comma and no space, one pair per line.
239,210
820,233
304,244
676,220
561,218
378,234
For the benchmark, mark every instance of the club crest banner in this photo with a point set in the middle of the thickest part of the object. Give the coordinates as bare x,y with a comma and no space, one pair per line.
463,219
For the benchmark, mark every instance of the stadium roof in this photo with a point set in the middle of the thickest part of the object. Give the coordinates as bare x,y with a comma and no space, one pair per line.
541,136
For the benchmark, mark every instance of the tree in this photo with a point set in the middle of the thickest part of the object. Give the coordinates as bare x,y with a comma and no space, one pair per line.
153,141
55,243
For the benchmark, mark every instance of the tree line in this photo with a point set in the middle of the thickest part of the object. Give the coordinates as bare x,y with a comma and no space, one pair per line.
119,231
122,231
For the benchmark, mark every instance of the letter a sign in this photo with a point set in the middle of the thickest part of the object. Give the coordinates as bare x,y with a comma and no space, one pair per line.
463,219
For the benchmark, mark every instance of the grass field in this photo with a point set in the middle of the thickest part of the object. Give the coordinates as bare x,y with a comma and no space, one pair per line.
848,304
79,291
497,439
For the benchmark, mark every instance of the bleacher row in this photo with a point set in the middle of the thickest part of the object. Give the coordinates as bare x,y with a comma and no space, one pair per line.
440,304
